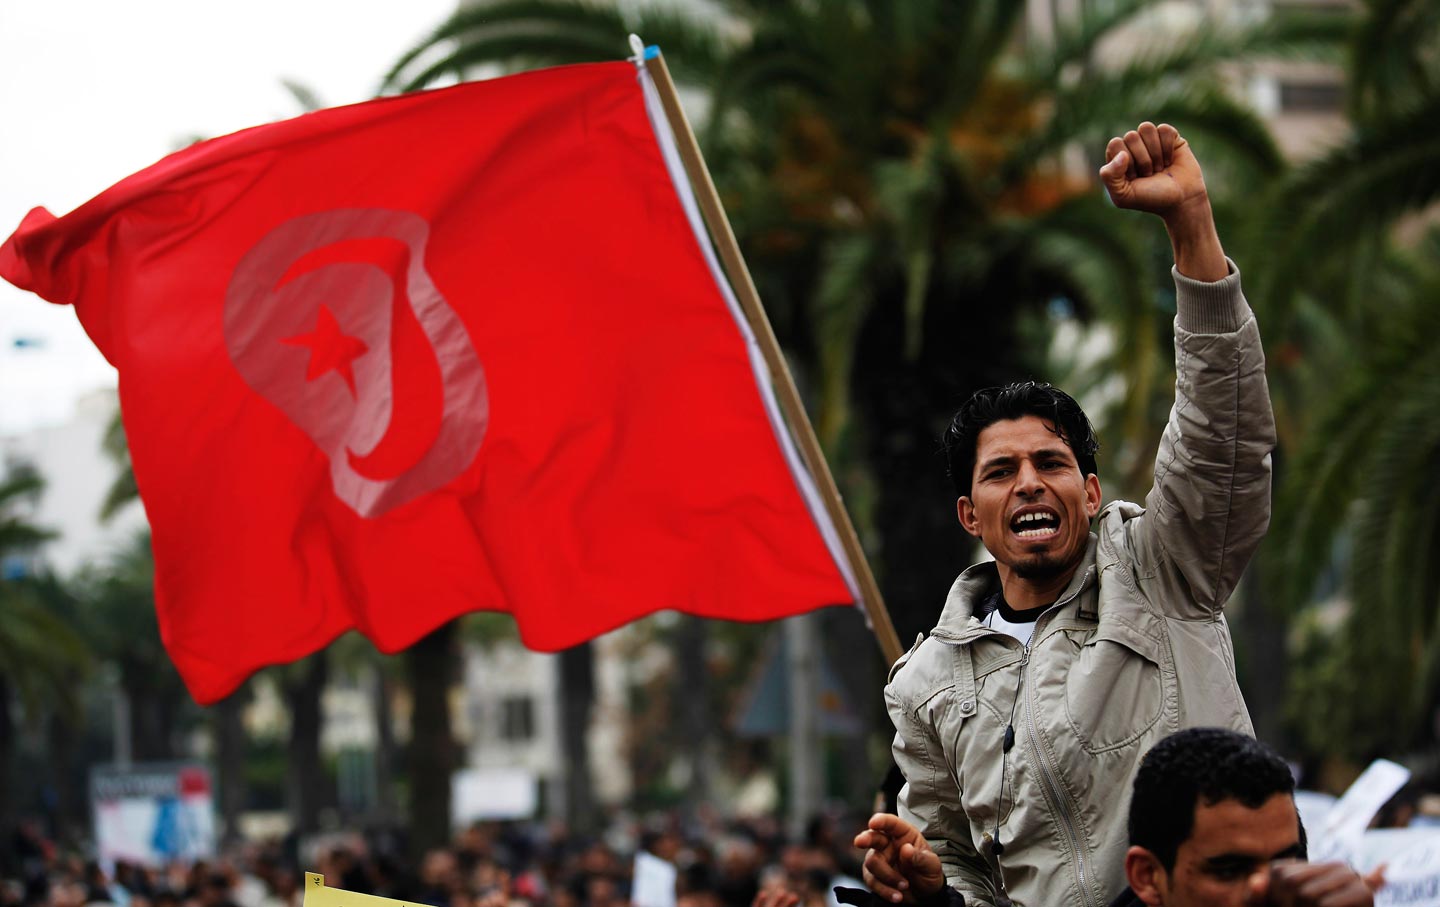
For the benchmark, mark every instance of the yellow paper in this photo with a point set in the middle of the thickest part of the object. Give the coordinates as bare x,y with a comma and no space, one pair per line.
317,895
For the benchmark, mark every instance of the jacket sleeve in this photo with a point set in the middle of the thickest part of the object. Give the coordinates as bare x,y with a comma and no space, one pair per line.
1210,504
930,801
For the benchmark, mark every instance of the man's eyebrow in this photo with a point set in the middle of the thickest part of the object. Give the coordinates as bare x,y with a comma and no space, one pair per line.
1002,460
1044,453
1227,860
1233,860
1294,852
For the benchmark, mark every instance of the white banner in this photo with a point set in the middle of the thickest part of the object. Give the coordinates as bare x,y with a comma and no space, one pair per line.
654,882
1412,865
153,813
1338,838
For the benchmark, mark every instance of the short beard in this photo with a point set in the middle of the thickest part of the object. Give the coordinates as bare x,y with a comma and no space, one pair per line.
1041,567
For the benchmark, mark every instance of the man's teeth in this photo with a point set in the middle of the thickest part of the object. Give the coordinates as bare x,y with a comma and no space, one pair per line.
1046,525
1036,533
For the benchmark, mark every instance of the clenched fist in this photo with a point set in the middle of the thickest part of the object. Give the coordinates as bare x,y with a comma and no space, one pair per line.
1151,168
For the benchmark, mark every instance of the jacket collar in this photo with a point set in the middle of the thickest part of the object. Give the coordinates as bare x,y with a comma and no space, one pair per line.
958,621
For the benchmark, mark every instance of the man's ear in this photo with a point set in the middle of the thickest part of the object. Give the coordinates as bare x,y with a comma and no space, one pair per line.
1146,877
1092,495
965,509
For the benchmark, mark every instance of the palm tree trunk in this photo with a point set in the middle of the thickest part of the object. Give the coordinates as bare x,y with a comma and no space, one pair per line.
1263,659
431,665
384,762
68,807
305,775
577,696
229,731
854,656
692,706
7,764
151,734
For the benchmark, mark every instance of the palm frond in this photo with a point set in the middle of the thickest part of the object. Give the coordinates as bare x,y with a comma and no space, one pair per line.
1076,37
16,530
552,32
1393,63
1088,115
844,297
41,654
1350,195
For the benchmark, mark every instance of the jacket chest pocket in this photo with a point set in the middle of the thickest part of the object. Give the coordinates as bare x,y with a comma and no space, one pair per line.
1115,688
974,732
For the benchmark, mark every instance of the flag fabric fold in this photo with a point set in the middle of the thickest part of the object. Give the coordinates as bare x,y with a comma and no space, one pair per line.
385,364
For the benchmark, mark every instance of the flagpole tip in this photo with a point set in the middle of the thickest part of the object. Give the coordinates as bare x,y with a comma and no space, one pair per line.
641,53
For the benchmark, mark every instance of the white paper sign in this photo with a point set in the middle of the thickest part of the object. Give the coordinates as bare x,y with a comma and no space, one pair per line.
1344,826
654,883
1314,806
1412,865
492,793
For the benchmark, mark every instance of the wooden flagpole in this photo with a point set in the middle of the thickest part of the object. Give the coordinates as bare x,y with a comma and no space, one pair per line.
789,397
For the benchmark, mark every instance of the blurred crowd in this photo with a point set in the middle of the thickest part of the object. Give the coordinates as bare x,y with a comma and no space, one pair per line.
719,863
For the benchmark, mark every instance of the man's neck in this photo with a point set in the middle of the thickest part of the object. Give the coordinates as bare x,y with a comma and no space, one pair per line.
1024,594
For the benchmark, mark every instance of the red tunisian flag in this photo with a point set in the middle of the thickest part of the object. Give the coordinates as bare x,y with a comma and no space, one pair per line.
464,349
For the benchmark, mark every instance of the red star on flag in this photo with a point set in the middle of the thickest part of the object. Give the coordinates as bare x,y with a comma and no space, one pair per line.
331,349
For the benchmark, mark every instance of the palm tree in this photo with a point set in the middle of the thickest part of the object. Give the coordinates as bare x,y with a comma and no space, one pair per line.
1358,498
432,666
117,614
1356,299
42,660
896,174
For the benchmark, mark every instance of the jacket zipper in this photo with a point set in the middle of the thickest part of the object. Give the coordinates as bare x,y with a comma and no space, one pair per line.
1047,772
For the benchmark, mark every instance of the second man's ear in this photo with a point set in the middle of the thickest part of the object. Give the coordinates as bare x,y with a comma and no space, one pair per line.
1145,875
1093,497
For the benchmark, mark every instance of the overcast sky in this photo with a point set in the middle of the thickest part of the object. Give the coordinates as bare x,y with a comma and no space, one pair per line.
93,90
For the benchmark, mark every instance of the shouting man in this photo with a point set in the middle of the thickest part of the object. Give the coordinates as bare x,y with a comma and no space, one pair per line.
1095,631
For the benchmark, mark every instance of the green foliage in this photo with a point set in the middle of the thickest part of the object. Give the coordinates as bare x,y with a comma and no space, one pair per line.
267,763
123,488
1363,474
16,530
40,655
1356,303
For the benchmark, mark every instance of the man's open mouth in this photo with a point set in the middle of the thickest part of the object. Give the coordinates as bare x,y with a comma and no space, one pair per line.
1035,524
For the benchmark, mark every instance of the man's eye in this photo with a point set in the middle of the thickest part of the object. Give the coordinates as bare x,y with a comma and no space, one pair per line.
997,473
1231,872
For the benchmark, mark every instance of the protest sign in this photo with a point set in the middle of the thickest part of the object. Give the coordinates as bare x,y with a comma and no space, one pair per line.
1338,838
654,883
1411,857
153,813
493,793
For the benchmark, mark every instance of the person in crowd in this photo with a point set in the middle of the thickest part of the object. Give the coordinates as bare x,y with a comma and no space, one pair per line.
1094,631
1213,823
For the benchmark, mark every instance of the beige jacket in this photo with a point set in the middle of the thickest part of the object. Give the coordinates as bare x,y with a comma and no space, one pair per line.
1135,649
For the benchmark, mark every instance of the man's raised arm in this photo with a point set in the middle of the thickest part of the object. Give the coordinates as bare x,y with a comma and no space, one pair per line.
1210,504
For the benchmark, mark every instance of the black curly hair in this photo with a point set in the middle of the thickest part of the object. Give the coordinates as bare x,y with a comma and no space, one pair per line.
1201,764
1013,401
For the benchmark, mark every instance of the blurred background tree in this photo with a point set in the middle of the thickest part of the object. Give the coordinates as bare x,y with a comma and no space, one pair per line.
42,658
1353,281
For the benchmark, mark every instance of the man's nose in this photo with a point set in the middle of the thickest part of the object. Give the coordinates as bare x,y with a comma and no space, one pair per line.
1027,480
